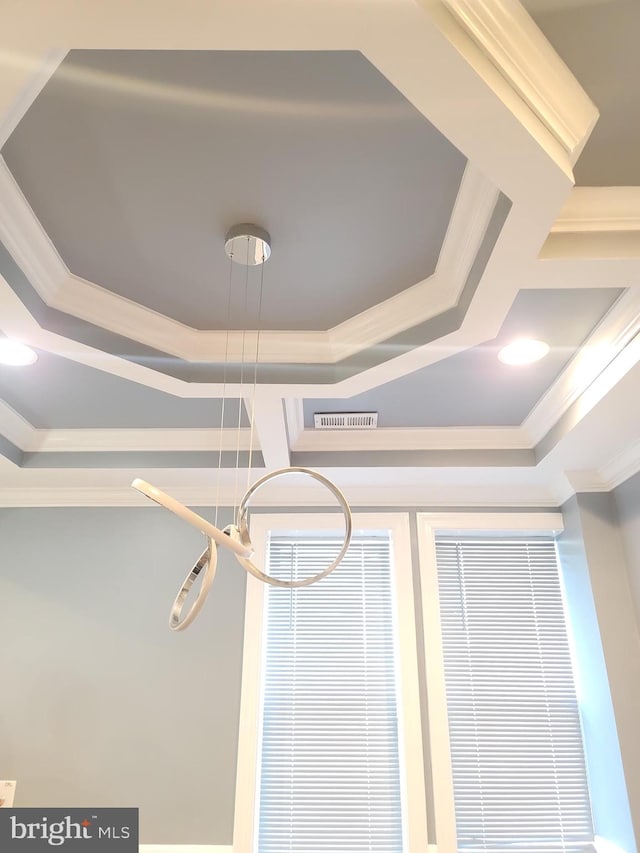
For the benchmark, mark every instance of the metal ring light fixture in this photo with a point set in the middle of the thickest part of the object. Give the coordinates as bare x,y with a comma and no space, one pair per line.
208,558
242,530
247,245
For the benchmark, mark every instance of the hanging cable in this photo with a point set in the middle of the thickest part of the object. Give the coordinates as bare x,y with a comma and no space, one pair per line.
255,373
224,387
236,499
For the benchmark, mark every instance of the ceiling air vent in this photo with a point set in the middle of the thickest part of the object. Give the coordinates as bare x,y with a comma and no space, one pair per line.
346,420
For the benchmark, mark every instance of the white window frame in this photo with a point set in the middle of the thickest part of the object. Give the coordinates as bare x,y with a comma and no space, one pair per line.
412,775
429,525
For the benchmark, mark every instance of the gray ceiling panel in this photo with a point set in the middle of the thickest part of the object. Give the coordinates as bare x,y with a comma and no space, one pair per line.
137,163
57,393
599,42
473,388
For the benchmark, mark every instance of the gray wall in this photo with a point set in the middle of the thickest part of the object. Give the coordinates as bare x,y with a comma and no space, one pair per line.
100,703
603,631
627,497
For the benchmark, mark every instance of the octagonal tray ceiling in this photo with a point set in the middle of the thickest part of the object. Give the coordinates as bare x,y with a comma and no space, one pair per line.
138,162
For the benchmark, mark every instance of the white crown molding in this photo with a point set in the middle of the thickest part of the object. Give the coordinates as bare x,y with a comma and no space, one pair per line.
405,496
445,438
27,241
623,465
470,218
90,302
137,440
510,39
586,481
597,222
32,249
610,338
597,209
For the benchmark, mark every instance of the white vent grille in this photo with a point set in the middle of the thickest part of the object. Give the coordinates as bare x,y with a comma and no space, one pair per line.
346,420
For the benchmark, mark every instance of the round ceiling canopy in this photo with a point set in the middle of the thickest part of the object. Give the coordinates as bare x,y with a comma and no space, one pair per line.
248,245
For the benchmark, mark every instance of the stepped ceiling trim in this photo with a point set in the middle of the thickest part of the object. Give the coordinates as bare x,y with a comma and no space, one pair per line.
31,248
412,334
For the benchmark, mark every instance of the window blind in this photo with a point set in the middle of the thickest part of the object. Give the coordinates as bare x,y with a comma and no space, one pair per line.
518,765
329,777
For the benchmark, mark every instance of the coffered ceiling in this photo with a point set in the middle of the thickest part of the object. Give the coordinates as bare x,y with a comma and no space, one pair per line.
413,163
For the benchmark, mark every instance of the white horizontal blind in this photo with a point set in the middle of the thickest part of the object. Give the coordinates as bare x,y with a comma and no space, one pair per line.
330,777
516,742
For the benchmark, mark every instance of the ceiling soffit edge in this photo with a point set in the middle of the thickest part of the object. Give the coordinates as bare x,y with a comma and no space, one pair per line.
511,41
32,249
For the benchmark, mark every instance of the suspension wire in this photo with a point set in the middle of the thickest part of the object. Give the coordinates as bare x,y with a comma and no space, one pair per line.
224,387
255,373
236,497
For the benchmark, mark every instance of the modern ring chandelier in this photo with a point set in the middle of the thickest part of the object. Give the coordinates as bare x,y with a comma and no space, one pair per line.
248,246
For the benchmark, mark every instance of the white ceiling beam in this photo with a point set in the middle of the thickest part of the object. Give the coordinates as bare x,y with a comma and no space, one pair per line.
268,416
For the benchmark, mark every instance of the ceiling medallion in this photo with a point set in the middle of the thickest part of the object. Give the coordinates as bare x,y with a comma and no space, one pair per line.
249,246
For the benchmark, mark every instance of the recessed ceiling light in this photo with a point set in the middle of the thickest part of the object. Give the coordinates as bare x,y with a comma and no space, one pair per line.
16,354
523,351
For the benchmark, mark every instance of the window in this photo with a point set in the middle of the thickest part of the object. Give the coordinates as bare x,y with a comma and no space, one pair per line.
516,757
330,743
